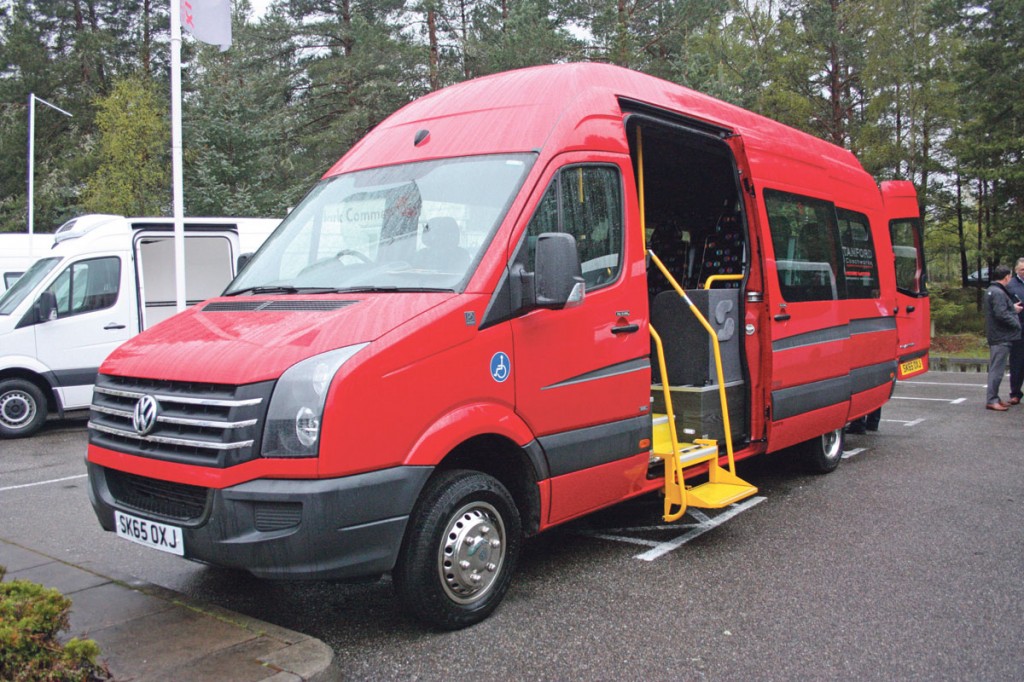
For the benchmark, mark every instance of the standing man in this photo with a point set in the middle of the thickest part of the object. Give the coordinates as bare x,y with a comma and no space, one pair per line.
1002,328
1016,289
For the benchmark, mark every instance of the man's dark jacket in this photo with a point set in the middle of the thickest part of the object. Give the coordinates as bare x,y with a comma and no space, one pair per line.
1002,324
1016,288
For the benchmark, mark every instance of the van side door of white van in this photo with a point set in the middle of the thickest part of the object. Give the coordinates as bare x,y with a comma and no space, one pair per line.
91,319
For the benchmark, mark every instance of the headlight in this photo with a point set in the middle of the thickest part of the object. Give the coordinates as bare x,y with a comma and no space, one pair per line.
297,404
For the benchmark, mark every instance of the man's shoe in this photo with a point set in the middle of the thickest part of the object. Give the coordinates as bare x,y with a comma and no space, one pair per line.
1015,401
1003,403
998,407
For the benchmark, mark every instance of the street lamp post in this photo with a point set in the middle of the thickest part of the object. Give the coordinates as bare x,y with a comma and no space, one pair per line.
32,99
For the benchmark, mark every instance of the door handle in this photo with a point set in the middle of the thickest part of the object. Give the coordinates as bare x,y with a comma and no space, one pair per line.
911,308
628,329
782,317
114,325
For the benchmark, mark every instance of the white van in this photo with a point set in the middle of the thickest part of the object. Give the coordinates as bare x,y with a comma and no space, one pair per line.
18,250
106,278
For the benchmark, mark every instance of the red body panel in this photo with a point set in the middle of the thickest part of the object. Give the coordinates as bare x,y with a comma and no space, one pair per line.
250,346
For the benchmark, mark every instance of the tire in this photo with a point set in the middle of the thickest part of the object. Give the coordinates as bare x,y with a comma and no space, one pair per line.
22,408
440,576
822,455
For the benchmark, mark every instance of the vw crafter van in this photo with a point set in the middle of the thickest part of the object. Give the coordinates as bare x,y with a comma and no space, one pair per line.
516,301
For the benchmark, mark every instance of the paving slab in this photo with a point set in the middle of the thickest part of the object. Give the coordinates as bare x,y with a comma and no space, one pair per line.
146,632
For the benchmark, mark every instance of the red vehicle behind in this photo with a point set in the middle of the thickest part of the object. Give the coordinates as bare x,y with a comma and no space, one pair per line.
518,300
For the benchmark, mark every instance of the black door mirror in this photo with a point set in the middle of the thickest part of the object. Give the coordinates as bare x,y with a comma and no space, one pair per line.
46,307
558,280
242,261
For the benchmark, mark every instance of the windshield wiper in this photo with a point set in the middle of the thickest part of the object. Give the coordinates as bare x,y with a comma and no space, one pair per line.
276,289
387,290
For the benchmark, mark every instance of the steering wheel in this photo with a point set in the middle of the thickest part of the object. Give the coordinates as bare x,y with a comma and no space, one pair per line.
354,254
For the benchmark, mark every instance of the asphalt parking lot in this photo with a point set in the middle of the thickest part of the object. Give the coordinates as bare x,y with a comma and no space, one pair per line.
904,564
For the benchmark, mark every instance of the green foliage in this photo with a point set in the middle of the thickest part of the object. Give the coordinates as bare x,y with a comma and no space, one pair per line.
955,311
134,172
31,616
928,92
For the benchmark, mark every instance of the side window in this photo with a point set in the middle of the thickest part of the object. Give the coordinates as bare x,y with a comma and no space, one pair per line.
908,247
86,286
807,254
860,264
586,202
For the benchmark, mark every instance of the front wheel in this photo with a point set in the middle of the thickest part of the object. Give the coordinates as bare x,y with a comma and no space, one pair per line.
460,550
822,455
22,408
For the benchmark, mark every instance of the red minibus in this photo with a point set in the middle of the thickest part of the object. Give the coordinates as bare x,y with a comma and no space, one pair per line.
516,301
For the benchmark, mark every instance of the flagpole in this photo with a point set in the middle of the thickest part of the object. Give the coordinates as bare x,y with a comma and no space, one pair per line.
176,170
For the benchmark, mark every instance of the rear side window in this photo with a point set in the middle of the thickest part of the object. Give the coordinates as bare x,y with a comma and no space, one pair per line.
909,249
807,250
860,265
586,202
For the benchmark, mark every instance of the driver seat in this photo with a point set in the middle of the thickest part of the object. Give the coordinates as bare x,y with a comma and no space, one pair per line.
442,253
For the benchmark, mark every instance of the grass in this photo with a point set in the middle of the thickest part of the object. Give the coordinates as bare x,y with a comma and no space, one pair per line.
959,346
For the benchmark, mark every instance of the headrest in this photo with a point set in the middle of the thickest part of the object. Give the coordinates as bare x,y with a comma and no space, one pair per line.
441,233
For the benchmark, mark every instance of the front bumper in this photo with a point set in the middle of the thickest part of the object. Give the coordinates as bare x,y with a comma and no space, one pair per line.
349,527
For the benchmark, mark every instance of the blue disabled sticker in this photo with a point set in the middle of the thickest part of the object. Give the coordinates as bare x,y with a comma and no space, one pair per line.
501,367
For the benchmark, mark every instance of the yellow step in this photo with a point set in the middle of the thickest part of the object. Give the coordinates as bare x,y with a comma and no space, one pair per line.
717,495
689,454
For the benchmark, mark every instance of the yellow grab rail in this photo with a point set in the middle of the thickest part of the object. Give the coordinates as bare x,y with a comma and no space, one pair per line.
718,357
721,278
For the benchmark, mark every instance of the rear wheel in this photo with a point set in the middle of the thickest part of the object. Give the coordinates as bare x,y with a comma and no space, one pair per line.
822,455
460,550
22,408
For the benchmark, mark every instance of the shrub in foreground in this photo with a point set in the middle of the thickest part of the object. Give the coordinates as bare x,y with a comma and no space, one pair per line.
31,616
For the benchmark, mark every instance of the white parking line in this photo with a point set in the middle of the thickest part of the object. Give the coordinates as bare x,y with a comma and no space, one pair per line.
915,422
954,401
54,480
847,454
938,383
658,549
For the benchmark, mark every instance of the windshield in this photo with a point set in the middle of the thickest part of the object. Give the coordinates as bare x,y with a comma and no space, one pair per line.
25,284
418,226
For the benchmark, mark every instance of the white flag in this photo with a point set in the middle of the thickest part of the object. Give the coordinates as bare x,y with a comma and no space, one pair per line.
208,20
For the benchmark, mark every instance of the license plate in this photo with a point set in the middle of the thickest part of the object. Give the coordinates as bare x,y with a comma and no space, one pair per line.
911,366
149,533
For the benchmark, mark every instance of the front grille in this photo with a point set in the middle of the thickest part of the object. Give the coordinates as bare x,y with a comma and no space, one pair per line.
212,425
272,516
177,501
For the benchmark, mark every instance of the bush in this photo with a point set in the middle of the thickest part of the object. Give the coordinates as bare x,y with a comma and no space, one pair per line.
955,311
30,618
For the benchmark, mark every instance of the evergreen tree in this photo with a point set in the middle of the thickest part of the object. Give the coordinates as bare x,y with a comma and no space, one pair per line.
133,176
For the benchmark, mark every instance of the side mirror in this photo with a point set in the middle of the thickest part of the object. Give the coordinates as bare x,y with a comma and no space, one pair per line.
558,281
46,307
243,260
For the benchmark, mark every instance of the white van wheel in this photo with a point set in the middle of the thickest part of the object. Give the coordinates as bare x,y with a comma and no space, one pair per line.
822,455
22,408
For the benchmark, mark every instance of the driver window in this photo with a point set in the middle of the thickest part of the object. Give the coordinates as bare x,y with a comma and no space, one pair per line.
86,286
586,202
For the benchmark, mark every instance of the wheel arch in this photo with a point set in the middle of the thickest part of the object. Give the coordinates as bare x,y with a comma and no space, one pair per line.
517,468
492,439
52,403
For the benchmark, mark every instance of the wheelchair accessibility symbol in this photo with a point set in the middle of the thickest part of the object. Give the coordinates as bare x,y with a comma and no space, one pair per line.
500,367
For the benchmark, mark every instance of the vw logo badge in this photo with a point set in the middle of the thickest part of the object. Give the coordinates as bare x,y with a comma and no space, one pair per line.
144,417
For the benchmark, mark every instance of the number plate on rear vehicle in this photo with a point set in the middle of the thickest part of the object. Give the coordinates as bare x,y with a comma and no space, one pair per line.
149,533
911,366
